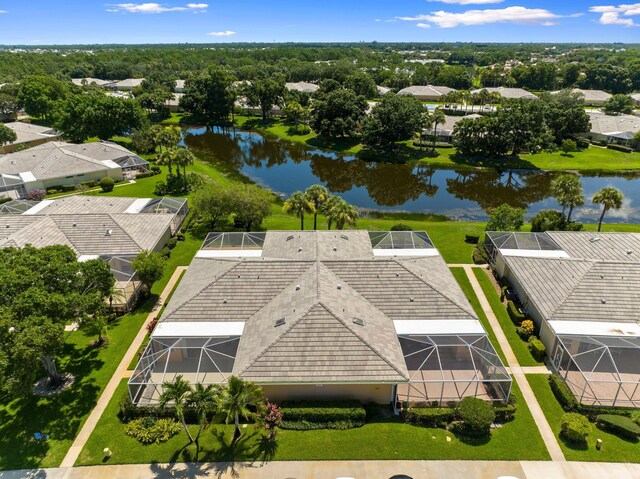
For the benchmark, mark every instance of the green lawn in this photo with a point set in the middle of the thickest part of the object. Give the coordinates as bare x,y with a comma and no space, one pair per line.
387,439
62,416
614,449
463,281
593,159
520,348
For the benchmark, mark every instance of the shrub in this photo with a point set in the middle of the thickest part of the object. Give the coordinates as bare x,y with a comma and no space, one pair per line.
146,174
149,430
172,242
568,146
562,393
68,188
52,191
575,427
624,149
505,412
619,425
527,328
306,415
476,416
428,416
107,184
300,129
537,348
582,143
401,227
35,195
503,292
5,199
516,316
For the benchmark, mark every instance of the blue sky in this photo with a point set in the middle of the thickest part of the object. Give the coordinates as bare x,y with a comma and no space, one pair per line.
203,21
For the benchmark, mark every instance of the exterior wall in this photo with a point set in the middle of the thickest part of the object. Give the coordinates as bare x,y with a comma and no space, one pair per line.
162,241
366,393
114,173
12,147
548,338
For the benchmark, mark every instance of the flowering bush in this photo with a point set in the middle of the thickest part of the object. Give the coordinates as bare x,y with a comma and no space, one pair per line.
152,325
35,195
271,419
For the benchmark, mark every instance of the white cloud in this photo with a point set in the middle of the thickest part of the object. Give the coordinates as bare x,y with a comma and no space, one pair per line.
155,8
522,15
612,15
226,33
423,25
3,11
467,2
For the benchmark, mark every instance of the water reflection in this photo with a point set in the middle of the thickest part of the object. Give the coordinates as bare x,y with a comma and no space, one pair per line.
286,167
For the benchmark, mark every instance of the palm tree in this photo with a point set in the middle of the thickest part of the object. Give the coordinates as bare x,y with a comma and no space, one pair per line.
177,392
182,157
317,195
438,118
166,158
567,190
343,213
328,206
204,400
237,399
610,198
298,204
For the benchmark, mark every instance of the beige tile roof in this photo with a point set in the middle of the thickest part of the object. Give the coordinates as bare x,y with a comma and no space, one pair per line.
623,247
426,90
79,204
506,92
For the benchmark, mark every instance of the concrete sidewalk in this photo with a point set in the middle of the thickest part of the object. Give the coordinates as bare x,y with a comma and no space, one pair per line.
335,469
121,373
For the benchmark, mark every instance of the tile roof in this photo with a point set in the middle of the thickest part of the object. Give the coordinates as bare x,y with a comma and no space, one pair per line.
28,132
506,92
302,86
426,90
624,247
613,124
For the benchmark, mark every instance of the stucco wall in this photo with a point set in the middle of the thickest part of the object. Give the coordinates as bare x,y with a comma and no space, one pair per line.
377,393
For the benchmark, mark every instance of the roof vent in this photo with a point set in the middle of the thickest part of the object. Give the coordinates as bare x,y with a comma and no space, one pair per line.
411,299
297,287
593,239
74,225
397,275
358,321
603,301
290,237
335,248
299,249
344,237
8,226
339,286
109,232
224,300
280,322
629,251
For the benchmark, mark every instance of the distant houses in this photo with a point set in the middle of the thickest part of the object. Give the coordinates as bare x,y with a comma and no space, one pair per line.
426,92
304,87
591,97
509,93
612,128
58,164
28,135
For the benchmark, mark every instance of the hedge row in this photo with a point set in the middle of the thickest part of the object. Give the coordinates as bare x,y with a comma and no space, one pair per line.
304,415
618,425
624,149
429,416
516,316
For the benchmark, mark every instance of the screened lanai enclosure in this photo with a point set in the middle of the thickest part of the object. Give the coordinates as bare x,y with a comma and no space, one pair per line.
447,368
517,241
207,360
176,206
600,370
127,286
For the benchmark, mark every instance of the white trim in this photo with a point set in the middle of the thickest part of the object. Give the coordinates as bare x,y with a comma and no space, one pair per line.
446,326
198,329
229,253
406,252
595,328
86,257
111,164
39,207
534,253
138,205
27,177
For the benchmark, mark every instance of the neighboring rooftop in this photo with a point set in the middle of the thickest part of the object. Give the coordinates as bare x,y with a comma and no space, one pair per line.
426,91
302,86
592,97
618,126
508,93
90,81
29,132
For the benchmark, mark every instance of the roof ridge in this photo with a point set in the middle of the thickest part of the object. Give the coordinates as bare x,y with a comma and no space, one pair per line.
577,283
435,289
364,341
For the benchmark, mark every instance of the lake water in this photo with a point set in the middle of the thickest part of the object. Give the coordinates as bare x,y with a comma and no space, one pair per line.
285,167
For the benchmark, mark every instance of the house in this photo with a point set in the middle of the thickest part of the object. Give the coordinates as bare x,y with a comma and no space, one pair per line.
90,81
28,135
179,88
509,93
302,86
112,228
383,90
426,92
581,290
591,97
612,128
55,164
444,131
174,103
636,97
372,316
125,85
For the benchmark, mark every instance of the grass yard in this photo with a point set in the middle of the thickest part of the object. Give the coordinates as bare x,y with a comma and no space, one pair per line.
386,439
62,416
614,449
520,348
461,277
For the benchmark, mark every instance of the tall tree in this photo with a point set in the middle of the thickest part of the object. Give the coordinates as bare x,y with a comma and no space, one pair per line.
182,157
298,204
266,92
567,190
177,394
362,84
395,118
149,267
210,96
437,117
342,213
505,218
7,135
236,401
317,195
619,104
338,114
203,399
38,94
610,198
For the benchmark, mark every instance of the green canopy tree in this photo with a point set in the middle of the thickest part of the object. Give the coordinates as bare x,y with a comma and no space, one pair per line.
177,394
210,96
38,94
252,205
7,135
362,84
298,204
213,204
237,400
149,267
619,104
505,218
610,198
317,195
338,114
265,93
395,118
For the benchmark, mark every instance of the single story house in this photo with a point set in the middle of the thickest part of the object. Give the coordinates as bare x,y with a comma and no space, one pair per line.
509,93
592,97
636,97
113,228
372,316
174,103
383,90
612,128
125,85
28,135
581,290
179,88
90,81
301,86
444,131
58,163
426,92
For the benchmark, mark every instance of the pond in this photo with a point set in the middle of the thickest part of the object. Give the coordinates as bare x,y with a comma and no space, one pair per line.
464,194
